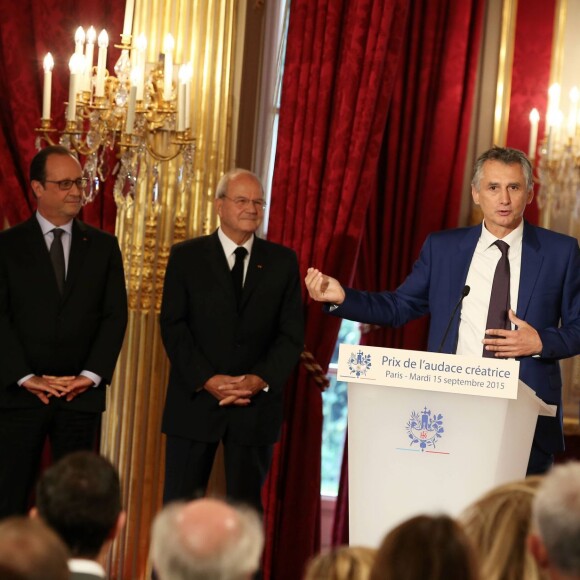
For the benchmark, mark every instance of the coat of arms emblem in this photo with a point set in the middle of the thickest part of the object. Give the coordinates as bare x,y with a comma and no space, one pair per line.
425,428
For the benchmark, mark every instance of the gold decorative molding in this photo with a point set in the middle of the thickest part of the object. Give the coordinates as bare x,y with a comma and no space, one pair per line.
504,73
557,63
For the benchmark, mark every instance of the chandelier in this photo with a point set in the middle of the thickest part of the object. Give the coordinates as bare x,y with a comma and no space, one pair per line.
558,163
140,113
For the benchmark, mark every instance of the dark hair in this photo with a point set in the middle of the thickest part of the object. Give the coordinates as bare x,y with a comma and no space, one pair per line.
30,550
504,155
38,163
80,498
425,548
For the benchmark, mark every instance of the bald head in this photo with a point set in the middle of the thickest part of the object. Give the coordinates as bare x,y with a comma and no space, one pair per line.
206,538
208,526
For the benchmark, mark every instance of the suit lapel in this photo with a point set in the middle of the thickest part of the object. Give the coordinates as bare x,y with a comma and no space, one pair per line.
218,265
79,247
256,269
531,264
461,258
37,247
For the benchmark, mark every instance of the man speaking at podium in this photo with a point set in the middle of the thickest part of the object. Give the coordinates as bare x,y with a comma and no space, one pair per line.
504,288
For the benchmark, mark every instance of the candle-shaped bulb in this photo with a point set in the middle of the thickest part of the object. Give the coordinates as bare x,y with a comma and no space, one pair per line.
142,42
103,39
168,43
48,63
534,116
79,40
91,35
80,35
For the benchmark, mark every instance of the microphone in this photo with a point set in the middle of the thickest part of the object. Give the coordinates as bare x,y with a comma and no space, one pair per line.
464,293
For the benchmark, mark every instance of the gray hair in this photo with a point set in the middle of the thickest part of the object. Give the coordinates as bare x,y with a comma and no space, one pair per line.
237,558
222,186
556,516
504,155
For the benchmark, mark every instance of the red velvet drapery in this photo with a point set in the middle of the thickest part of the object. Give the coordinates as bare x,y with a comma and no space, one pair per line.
422,163
341,61
28,30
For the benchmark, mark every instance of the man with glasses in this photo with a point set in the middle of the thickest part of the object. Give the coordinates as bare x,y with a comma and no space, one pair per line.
232,326
63,313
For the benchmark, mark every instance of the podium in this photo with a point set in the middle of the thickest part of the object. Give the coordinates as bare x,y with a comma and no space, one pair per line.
430,433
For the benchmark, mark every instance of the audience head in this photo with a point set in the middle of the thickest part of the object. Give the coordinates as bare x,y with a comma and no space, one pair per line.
80,498
342,563
29,550
555,537
497,525
206,538
425,548
505,155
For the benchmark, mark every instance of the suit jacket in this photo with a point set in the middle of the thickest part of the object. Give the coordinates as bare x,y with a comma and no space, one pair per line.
42,332
548,300
205,334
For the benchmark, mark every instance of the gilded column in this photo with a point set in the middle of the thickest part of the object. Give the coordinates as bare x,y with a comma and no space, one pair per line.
160,201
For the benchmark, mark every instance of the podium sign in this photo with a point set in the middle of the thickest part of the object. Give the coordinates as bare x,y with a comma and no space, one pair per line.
430,433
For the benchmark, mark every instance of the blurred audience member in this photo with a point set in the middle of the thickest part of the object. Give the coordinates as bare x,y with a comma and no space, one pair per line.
79,497
555,537
206,539
498,525
29,550
342,563
426,548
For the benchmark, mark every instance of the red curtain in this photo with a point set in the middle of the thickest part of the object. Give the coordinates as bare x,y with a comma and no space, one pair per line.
28,30
421,165
341,61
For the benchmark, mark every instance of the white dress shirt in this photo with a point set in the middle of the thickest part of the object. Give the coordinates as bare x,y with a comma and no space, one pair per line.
472,324
230,247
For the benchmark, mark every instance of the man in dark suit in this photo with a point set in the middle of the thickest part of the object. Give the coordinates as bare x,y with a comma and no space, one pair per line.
63,313
79,497
543,308
231,322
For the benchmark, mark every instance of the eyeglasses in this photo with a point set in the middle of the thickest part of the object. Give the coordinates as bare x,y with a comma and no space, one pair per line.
66,184
243,202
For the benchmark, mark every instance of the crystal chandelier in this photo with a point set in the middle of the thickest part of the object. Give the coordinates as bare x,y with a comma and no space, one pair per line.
558,163
141,114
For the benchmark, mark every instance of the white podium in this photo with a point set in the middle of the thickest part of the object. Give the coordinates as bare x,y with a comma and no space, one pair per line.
430,433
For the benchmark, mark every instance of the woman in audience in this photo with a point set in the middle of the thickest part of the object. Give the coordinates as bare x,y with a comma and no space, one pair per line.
498,525
342,563
426,548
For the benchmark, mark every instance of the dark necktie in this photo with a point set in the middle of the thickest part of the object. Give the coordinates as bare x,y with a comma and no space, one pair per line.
238,271
57,258
499,302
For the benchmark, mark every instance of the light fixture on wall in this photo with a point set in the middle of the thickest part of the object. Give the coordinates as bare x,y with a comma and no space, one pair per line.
140,113
557,160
